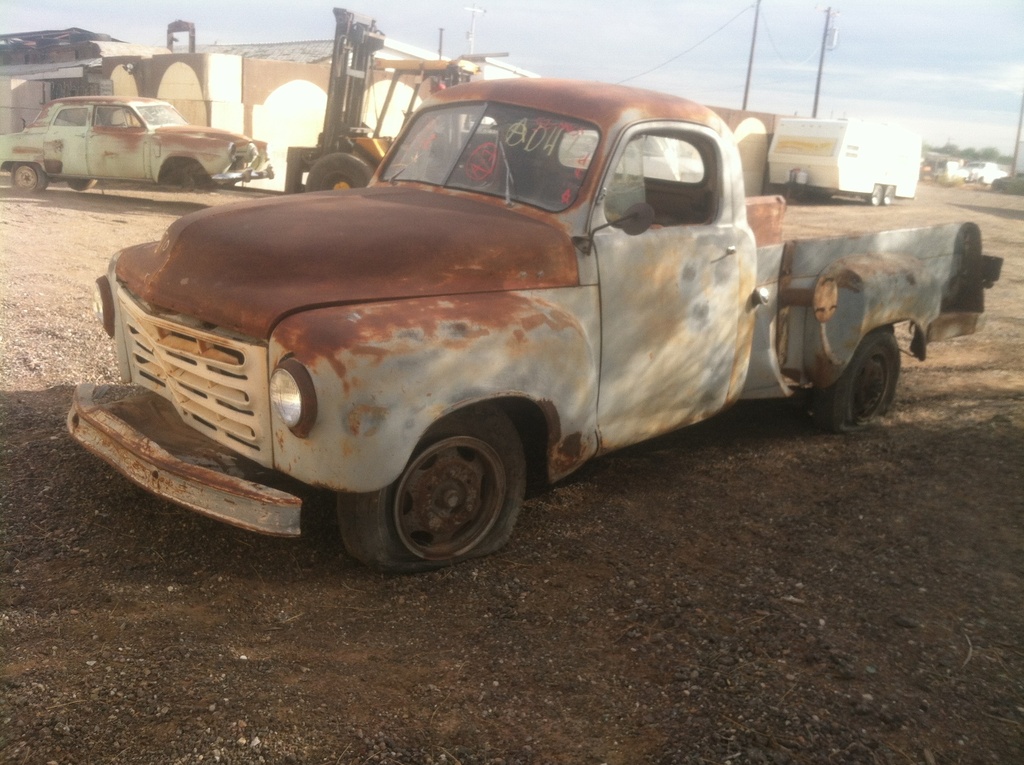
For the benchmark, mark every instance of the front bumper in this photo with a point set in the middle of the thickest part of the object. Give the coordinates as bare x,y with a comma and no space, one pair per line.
141,435
244,176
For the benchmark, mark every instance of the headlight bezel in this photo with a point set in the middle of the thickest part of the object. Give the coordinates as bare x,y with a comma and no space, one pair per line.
293,396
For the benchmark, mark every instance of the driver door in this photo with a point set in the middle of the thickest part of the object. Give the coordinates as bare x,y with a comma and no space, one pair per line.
672,311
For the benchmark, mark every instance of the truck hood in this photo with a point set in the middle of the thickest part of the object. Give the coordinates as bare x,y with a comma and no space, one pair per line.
247,266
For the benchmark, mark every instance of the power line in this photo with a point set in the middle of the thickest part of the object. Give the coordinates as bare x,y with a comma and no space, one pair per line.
688,50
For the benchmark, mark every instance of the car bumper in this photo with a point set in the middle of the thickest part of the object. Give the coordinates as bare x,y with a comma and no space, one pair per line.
141,435
244,176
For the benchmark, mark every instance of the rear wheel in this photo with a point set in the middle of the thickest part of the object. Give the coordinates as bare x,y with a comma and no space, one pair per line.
866,388
877,195
81,184
458,498
338,171
28,178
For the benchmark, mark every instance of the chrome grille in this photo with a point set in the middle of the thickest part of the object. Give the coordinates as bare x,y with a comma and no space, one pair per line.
216,381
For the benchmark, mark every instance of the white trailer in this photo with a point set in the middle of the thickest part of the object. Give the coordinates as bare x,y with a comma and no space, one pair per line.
873,161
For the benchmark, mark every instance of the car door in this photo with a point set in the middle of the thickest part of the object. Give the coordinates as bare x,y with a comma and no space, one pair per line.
117,144
671,305
66,140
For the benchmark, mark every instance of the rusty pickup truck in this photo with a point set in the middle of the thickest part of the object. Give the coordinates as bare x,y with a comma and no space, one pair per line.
541,272
83,139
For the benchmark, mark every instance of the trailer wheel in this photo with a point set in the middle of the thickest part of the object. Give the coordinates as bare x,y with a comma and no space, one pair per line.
877,195
458,498
28,178
81,184
866,388
889,196
338,171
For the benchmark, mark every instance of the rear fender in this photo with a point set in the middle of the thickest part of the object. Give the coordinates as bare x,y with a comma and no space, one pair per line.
384,372
940,292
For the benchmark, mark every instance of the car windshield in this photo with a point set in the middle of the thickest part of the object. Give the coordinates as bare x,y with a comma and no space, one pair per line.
159,115
512,152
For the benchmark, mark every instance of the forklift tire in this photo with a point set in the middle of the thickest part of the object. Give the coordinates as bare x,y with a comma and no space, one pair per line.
338,171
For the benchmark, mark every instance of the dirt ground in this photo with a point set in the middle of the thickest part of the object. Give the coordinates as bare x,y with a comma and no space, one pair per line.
749,590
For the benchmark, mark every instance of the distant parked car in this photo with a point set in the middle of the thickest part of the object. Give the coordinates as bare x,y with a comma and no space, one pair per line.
983,172
80,140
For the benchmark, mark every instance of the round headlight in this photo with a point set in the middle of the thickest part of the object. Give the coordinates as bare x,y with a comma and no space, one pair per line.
293,396
103,304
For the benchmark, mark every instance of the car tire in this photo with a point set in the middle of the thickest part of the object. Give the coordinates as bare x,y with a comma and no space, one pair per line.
81,184
866,388
458,498
28,178
338,171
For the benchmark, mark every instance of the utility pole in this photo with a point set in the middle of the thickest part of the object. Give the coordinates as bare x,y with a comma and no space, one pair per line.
829,14
750,64
1016,144
471,34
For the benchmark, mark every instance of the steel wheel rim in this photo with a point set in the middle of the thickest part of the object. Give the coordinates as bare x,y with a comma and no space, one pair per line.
449,498
872,383
25,178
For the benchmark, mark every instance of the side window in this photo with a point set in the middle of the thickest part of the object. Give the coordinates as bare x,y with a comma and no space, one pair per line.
674,173
75,116
115,116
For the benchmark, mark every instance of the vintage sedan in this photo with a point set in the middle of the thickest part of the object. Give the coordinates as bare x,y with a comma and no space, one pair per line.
83,139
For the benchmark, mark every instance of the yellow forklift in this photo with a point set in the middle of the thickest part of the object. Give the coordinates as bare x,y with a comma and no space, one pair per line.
348,152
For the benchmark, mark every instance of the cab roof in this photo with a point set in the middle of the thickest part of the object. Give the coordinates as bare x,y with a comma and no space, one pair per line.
596,102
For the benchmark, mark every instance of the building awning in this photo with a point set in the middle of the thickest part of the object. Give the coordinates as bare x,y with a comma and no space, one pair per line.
67,70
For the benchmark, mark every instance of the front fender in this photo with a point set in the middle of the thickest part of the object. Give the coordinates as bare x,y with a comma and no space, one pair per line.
385,372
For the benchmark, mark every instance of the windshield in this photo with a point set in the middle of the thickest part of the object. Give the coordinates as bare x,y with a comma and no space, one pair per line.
512,152
158,115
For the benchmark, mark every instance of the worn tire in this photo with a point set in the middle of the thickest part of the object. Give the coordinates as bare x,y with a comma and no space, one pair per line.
81,184
866,388
458,498
338,171
28,178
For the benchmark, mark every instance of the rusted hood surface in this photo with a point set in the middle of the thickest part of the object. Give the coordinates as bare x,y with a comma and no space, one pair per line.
192,132
246,266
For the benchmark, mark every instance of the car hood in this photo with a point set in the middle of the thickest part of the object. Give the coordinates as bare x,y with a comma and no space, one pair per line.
247,266
186,132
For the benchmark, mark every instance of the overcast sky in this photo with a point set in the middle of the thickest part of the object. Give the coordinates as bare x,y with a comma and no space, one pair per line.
947,69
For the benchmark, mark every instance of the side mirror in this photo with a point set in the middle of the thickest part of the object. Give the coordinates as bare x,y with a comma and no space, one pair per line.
636,220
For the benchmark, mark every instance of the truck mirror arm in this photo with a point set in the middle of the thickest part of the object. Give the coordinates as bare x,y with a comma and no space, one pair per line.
634,221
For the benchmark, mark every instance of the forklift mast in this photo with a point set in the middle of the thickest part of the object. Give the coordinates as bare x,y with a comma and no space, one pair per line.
356,39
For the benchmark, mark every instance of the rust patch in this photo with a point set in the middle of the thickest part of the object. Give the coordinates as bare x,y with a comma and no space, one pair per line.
365,420
569,454
376,331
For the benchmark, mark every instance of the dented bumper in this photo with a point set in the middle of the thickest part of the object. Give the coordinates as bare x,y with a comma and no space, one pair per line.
142,436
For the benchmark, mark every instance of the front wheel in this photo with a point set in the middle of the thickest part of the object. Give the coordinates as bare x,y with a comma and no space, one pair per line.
28,178
458,498
865,389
